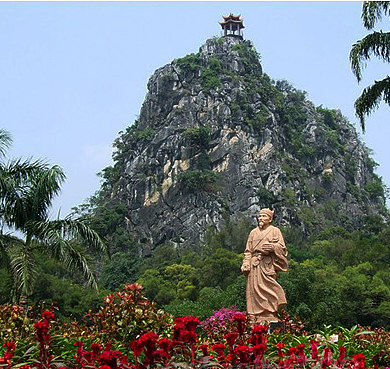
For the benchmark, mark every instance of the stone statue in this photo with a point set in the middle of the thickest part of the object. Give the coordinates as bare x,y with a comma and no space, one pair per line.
265,255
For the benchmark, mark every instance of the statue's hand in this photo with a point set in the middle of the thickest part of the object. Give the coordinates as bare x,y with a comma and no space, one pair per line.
245,268
267,248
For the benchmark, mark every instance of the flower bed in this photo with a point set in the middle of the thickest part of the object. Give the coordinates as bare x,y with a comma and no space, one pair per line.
130,333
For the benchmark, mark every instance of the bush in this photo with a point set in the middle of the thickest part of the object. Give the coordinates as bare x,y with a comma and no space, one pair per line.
198,180
200,136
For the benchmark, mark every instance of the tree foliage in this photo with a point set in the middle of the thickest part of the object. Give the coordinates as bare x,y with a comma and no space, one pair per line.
374,44
27,189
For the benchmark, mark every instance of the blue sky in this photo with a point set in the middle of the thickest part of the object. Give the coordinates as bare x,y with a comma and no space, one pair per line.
72,75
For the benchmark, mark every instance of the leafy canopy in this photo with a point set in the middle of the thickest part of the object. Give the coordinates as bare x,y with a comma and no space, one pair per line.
27,189
374,44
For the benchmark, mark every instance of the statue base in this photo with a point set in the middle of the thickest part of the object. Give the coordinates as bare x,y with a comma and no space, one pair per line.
262,319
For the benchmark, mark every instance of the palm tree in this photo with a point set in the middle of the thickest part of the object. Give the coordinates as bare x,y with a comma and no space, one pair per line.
27,189
377,44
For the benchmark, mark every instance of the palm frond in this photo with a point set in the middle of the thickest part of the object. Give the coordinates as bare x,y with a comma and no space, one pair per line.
69,229
44,187
377,44
70,255
27,190
24,269
5,141
370,99
373,11
7,242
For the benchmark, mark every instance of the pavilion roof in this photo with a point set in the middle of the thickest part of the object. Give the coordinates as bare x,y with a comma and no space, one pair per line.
235,19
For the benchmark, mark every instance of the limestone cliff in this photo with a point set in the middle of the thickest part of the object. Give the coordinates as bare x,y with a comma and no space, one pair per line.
217,138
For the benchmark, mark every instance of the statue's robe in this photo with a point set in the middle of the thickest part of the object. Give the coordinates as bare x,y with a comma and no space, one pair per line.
263,294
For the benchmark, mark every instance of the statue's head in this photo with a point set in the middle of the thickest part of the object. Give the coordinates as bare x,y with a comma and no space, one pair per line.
268,212
265,217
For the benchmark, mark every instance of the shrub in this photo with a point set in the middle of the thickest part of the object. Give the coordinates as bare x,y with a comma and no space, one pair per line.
200,136
126,315
189,63
146,134
198,180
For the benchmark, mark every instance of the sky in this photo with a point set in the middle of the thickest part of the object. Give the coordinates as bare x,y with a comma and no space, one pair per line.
74,74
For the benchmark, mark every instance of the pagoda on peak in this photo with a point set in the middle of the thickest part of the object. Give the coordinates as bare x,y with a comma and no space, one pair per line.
232,24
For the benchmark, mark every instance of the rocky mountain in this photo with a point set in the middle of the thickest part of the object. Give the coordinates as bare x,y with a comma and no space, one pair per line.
216,139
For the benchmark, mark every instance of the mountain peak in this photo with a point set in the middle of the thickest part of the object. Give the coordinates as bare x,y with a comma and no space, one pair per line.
217,139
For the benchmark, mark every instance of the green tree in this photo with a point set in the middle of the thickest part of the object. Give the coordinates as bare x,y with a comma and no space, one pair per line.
374,44
27,189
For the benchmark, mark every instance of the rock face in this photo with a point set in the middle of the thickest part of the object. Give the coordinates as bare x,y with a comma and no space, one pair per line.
217,139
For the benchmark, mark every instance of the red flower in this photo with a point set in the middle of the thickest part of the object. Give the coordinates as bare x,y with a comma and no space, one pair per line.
137,348
205,349
95,347
341,358
9,346
41,326
301,354
78,343
148,340
179,321
258,350
160,354
48,315
108,346
239,317
189,336
104,367
165,344
360,361
231,338
243,353
190,323
219,348
257,335
314,351
291,352
259,329
327,360
177,329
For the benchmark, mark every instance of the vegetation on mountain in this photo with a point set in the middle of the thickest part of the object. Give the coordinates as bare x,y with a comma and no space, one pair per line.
376,43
